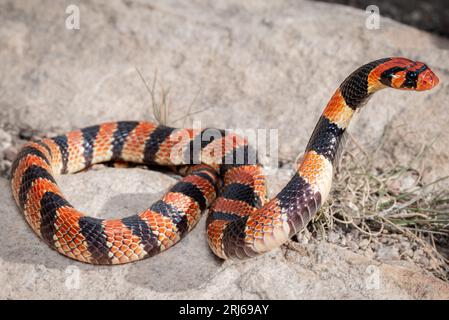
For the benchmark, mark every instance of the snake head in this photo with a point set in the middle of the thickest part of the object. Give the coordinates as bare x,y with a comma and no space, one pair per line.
405,74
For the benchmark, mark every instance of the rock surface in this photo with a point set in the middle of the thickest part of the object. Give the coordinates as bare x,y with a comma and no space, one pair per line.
251,65
29,269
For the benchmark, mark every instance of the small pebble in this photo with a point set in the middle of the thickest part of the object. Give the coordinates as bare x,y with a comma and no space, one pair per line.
369,253
424,261
408,181
26,134
407,253
5,139
364,243
388,253
418,253
353,245
10,153
333,237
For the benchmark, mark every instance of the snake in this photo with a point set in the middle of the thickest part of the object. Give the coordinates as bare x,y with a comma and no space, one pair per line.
219,173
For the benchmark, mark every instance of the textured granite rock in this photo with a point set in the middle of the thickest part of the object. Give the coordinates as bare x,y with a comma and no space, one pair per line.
30,270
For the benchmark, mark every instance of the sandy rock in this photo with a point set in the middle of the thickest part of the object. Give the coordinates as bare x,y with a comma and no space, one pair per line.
30,269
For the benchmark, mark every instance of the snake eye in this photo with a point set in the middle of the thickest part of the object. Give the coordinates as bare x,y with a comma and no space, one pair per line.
411,75
411,78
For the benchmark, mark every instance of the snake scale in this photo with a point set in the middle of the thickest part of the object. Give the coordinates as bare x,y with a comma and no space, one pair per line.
241,221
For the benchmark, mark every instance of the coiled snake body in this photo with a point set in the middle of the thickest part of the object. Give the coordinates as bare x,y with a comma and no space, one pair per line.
241,222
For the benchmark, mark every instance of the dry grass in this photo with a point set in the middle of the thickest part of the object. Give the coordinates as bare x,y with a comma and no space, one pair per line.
374,198
161,103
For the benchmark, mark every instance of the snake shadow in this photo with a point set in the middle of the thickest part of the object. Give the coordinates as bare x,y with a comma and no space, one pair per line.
187,265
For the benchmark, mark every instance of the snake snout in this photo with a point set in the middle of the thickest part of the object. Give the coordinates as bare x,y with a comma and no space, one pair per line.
427,80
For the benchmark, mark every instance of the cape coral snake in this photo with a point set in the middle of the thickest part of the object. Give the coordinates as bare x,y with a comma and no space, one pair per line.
241,222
